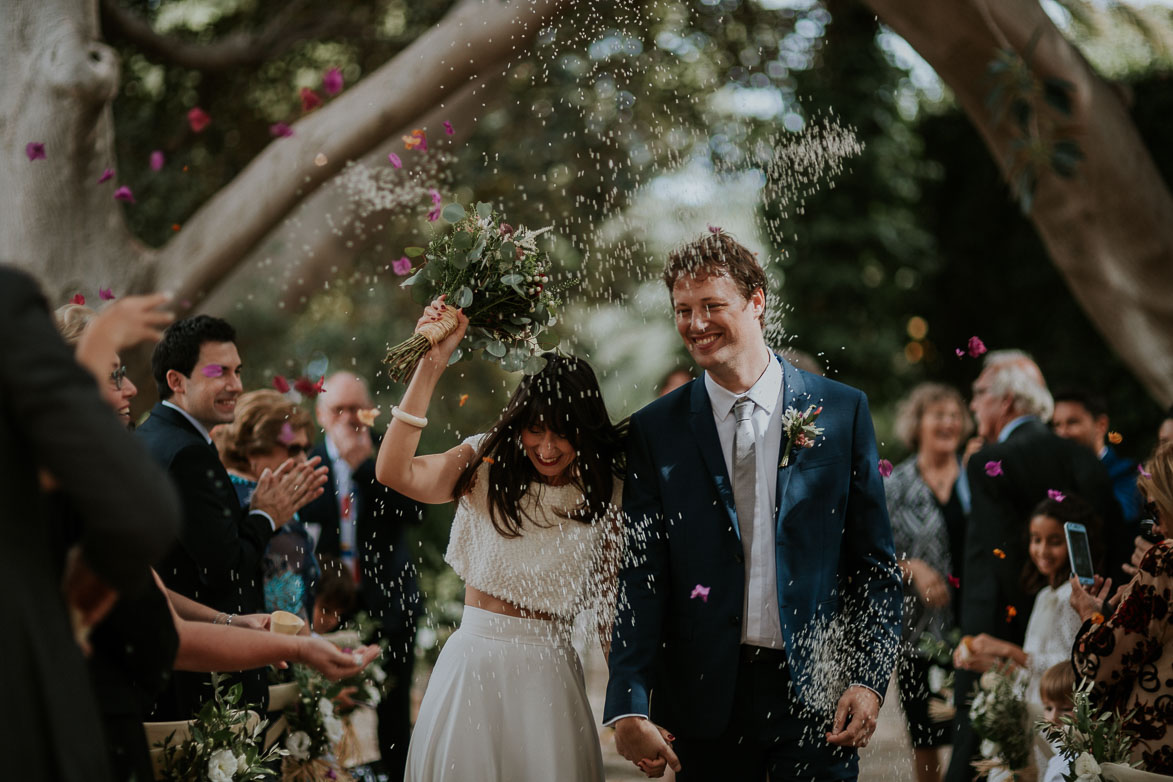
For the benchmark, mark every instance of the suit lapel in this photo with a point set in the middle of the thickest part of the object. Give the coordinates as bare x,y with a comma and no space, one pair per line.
704,429
793,395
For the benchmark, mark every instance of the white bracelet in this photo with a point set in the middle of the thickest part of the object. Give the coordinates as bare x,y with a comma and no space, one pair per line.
408,418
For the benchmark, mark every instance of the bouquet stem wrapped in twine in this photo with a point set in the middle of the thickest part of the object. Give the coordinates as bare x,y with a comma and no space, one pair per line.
402,359
317,770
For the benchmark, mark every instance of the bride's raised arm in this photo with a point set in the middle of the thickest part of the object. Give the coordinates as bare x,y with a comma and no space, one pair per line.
431,478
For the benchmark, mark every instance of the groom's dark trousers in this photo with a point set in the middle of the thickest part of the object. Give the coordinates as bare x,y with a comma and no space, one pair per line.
678,658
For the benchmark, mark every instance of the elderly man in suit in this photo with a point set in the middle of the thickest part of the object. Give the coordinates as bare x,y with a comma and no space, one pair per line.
217,560
365,524
1020,461
756,543
52,418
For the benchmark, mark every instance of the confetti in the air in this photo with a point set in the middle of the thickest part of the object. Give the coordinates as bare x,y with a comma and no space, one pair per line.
367,417
975,347
1011,612
463,399
700,591
885,468
157,160
280,130
1056,495
401,266
394,160
281,384
332,81
105,294
307,387
1140,468
198,120
448,128
310,100
999,553
124,193
287,435
106,176
1115,438
78,299
954,581
994,469
213,370
35,150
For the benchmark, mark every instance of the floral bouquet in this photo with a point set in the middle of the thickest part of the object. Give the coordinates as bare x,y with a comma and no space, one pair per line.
1087,740
496,274
938,652
224,744
998,714
314,731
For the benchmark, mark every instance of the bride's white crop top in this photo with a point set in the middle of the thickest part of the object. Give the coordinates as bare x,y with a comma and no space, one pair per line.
559,566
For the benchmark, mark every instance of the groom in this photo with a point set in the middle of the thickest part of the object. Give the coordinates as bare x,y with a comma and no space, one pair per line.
759,609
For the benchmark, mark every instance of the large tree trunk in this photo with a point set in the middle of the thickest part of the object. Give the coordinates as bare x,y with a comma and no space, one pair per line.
1109,229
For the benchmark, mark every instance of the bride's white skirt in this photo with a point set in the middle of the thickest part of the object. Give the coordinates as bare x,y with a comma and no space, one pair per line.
506,703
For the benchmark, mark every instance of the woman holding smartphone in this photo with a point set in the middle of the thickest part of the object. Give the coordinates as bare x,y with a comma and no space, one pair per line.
1053,622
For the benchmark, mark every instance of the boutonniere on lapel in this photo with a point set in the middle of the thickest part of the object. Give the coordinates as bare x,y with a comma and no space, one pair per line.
800,431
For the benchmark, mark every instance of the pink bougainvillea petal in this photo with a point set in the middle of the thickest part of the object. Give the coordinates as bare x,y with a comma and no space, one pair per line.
700,591
198,120
157,160
307,387
1056,495
280,130
448,128
281,384
310,100
287,434
35,150
332,81
402,266
213,370
105,294
1145,473
124,193
954,581
994,469
975,347
78,299
437,199
433,214
107,175
394,160
960,353
885,468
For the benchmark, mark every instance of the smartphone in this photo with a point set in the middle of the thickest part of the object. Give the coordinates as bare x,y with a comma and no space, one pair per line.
1079,553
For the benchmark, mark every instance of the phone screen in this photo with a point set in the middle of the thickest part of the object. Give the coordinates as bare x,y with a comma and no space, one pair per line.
1079,552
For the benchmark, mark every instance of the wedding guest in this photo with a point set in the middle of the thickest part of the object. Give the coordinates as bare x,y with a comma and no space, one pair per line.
1082,416
366,525
52,419
267,430
217,561
1020,459
675,378
536,506
1056,687
1129,655
336,596
928,499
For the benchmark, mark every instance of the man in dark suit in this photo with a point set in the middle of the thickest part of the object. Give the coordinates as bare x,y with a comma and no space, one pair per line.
759,611
365,524
1020,461
1082,416
217,560
52,418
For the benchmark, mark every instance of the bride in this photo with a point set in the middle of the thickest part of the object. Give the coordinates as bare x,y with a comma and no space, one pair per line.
536,539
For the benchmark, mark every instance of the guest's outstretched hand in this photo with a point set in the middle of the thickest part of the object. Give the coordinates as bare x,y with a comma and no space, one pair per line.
332,662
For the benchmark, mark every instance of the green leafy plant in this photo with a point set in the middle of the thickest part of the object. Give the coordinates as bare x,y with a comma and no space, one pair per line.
999,717
1088,739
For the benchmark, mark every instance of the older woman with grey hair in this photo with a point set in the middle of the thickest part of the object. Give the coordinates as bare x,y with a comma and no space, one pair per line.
928,499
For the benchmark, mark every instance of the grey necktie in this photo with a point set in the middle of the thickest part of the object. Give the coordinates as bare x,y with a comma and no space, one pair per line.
745,472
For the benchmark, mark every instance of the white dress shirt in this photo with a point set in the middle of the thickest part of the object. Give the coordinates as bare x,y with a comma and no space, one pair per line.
760,623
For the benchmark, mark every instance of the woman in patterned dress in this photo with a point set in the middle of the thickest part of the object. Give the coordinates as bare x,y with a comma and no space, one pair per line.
1129,655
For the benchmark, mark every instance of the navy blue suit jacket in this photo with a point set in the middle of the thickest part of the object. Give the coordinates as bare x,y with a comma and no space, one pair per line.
674,657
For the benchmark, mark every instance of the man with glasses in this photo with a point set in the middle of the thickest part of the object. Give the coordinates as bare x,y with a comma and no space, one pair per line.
1020,460
365,524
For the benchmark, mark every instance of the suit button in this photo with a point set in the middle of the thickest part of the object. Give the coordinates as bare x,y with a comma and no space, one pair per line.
735,620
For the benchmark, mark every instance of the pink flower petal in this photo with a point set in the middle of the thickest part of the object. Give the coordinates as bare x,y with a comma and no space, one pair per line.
954,581
35,150
1056,495
198,119
213,370
105,294
280,130
714,229
437,199
107,175
157,160
281,384
402,266
960,352
394,160
78,299
310,100
124,194
332,81
885,468
433,214
994,469
700,591
287,434
975,347
1140,468
448,128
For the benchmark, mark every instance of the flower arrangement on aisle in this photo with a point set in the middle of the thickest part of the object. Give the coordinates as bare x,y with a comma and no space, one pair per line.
314,731
1089,740
497,275
224,744
999,717
938,652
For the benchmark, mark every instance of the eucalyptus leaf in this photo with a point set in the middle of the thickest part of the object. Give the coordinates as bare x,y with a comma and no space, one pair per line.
521,321
456,356
413,252
462,240
507,251
514,361
534,365
475,253
548,340
412,280
453,213
422,294
463,297
484,210
495,348
511,279
459,261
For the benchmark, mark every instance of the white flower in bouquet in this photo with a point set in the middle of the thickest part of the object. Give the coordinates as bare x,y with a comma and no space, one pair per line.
333,727
989,680
241,764
1086,768
222,766
377,672
325,708
936,678
978,707
372,693
988,749
298,745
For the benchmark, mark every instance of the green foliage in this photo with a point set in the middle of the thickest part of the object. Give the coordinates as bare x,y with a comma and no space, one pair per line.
998,714
1087,731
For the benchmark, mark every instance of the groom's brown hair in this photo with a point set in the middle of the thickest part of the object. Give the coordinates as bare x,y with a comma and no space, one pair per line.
714,254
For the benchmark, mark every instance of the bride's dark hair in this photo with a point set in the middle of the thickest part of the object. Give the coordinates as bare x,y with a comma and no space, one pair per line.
564,397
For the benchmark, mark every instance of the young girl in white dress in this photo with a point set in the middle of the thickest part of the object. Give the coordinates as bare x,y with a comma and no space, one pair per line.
536,538
1053,623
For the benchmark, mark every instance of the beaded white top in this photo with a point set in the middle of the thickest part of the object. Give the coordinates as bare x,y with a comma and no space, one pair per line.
559,566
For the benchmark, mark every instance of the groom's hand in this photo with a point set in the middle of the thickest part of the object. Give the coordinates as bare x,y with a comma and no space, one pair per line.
855,718
646,745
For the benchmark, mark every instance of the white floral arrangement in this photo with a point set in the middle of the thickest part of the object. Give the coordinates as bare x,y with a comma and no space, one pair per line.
314,732
999,717
223,745
1088,739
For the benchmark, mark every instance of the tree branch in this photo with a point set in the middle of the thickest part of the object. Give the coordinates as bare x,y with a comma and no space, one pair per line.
238,50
